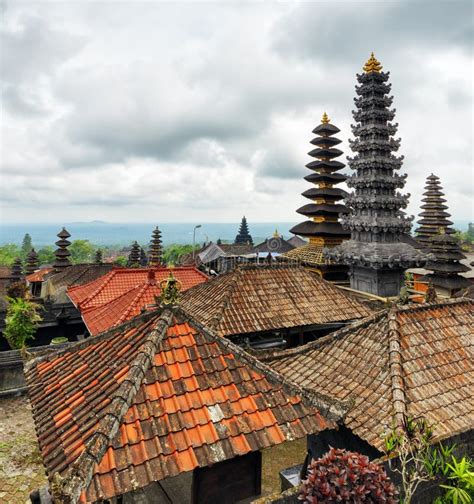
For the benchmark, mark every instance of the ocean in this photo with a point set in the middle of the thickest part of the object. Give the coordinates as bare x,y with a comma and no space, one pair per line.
104,233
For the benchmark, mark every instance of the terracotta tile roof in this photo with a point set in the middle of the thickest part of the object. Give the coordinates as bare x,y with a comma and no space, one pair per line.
38,276
119,281
309,254
156,397
417,360
128,305
258,298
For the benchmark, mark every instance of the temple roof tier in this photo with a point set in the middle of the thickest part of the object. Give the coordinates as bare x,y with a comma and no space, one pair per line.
312,209
376,181
326,142
364,145
326,129
323,229
374,128
373,88
325,178
327,166
373,100
371,115
376,162
330,193
375,200
325,153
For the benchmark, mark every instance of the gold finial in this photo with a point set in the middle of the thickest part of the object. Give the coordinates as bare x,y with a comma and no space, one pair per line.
276,234
170,289
372,65
325,119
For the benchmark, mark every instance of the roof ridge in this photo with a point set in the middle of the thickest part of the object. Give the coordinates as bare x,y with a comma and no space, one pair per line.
265,355
332,409
395,362
228,291
48,354
107,279
70,487
141,288
436,304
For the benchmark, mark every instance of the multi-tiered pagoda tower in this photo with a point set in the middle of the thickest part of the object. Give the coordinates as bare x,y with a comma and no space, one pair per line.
243,237
134,256
446,264
323,229
62,253
32,262
434,215
375,253
16,271
155,250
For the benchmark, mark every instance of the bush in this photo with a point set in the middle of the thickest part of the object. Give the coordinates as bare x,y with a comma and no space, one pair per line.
20,322
344,476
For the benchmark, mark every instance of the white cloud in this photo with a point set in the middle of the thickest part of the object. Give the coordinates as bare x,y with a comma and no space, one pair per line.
138,111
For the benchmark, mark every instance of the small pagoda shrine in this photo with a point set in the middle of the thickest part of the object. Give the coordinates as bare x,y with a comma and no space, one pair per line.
134,256
143,258
446,266
32,262
155,257
98,257
62,253
16,271
323,229
243,237
434,213
375,253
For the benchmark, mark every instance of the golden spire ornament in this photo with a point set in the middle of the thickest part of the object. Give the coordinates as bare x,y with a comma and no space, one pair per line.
325,119
372,65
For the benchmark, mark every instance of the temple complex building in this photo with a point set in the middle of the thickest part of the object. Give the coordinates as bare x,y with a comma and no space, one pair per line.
323,229
243,237
375,253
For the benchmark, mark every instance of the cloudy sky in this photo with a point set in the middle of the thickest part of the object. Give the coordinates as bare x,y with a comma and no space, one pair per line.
162,112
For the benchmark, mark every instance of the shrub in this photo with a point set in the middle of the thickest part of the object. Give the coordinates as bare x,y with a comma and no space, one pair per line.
344,476
20,322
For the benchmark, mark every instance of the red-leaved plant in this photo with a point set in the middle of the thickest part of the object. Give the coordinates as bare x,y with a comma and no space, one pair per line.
344,476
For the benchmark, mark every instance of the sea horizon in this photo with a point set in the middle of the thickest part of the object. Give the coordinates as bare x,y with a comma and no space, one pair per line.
105,233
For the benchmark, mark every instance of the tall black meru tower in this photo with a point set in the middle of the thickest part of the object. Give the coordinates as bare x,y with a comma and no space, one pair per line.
323,229
438,237
243,237
375,254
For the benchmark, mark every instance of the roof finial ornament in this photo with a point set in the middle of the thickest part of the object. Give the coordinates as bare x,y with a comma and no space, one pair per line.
170,290
372,65
325,119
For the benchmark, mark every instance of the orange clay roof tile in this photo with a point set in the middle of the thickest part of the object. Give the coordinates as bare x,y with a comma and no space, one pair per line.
191,399
124,293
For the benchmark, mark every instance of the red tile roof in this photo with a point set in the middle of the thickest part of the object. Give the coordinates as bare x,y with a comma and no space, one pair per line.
417,360
125,307
156,397
259,298
117,282
38,276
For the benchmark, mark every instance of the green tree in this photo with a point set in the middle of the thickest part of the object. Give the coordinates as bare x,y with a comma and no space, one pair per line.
26,245
46,255
173,253
82,251
21,322
8,253
121,260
